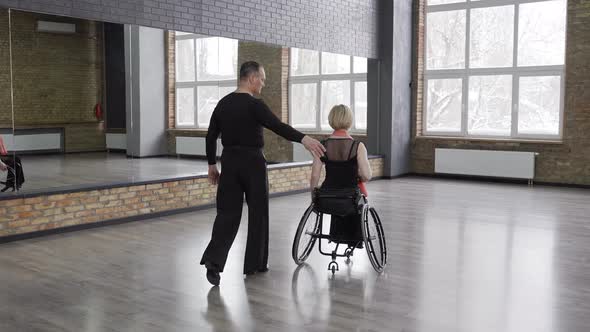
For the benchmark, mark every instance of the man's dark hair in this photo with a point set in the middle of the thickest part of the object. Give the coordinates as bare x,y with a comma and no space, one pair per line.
248,68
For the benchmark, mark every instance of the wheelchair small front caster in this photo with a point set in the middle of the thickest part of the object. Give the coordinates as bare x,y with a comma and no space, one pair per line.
348,252
333,266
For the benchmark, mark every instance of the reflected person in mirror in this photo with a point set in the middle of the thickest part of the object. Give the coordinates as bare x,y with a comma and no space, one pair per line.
239,118
3,152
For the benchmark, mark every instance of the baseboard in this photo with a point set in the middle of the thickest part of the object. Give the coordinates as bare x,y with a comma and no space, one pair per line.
470,178
153,156
116,150
498,180
563,185
389,177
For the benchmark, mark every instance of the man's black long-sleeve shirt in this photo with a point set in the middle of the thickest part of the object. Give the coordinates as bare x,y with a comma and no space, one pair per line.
239,118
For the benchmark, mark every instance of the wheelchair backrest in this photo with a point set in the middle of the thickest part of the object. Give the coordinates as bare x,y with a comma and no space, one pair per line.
339,202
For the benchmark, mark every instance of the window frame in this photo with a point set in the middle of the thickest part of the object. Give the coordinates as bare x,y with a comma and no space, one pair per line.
318,78
233,83
515,71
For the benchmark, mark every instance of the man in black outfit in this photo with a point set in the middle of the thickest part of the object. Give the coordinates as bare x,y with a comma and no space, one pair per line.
239,118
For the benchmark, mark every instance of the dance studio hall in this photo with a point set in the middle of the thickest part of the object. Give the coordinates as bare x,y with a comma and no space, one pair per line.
452,194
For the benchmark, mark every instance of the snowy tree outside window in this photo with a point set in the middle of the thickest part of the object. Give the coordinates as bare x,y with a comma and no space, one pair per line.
494,68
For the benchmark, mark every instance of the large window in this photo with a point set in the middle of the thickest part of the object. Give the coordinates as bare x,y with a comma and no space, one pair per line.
494,68
320,80
206,71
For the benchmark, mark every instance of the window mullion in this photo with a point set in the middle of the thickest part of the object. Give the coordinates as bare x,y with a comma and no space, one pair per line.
515,76
351,82
424,105
318,123
465,105
352,104
195,107
515,98
318,115
465,85
561,103
195,88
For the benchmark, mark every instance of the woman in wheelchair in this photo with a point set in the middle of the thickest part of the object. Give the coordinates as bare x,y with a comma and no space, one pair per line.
346,164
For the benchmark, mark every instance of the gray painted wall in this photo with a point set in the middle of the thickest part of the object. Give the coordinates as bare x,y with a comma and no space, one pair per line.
132,89
146,108
389,93
341,26
401,94
373,105
152,79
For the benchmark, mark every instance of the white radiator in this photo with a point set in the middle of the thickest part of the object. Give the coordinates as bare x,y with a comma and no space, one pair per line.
116,141
194,146
504,164
33,141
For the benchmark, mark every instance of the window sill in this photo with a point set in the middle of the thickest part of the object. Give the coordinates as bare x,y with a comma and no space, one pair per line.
490,140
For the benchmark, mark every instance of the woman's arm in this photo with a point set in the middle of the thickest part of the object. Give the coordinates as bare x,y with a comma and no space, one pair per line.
316,171
363,162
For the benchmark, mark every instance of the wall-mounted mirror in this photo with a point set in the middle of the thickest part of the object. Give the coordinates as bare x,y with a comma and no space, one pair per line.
87,103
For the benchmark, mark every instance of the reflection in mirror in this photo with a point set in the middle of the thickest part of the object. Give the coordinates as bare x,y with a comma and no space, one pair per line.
101,103
314,89
202,70
11,174
57,87
118,123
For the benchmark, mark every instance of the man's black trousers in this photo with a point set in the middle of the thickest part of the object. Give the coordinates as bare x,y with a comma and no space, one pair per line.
243,172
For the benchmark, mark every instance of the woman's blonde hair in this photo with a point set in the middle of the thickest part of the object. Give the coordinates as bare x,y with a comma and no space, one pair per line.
340,117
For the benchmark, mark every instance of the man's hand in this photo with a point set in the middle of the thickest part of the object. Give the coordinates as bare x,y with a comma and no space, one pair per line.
313,146
213,174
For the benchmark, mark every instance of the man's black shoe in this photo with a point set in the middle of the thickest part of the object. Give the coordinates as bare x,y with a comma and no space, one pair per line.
213,277
212,274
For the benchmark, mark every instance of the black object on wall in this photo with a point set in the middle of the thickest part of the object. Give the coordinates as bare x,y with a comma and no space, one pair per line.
114,44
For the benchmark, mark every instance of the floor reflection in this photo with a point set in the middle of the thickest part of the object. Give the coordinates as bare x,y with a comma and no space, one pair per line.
486,274
217,314
463,256
306,294
319,301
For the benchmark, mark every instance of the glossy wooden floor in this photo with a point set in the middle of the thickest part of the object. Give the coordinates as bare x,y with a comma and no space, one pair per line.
463,256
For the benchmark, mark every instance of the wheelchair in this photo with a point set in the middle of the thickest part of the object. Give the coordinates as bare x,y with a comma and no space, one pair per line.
340,202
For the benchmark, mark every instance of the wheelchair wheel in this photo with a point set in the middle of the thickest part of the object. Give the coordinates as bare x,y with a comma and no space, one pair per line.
304,241
374,238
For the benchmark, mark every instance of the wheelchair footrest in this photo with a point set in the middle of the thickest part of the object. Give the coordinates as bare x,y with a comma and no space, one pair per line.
319,235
